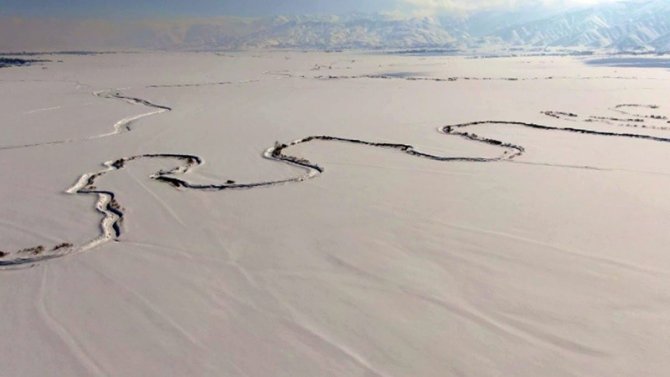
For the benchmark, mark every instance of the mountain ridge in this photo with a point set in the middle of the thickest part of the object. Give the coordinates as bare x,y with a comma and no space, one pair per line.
633,26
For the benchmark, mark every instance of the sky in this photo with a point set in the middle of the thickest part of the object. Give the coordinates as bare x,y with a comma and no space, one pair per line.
199,8
144,8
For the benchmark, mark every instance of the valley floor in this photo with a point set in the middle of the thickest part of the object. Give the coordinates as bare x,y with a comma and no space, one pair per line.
343,214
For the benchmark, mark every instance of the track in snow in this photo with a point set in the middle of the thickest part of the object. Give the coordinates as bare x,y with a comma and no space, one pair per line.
113,213
124,125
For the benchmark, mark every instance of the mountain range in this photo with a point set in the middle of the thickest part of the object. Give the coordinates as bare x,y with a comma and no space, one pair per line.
632,26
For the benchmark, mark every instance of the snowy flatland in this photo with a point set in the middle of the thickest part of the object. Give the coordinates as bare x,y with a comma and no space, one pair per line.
334,214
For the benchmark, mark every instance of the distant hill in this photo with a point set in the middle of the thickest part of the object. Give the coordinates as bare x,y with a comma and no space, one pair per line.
619,26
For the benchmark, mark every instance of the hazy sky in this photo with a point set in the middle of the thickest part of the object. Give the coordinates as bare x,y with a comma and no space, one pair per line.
171,8
134,8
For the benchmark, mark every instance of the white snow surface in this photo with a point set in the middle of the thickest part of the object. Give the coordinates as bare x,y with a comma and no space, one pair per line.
552,263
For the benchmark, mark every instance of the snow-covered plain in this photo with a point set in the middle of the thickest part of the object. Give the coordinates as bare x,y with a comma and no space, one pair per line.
546,255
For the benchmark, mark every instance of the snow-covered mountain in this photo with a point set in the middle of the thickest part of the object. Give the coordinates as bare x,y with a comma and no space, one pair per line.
353,32
628,26
632,25
311,32
620,26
